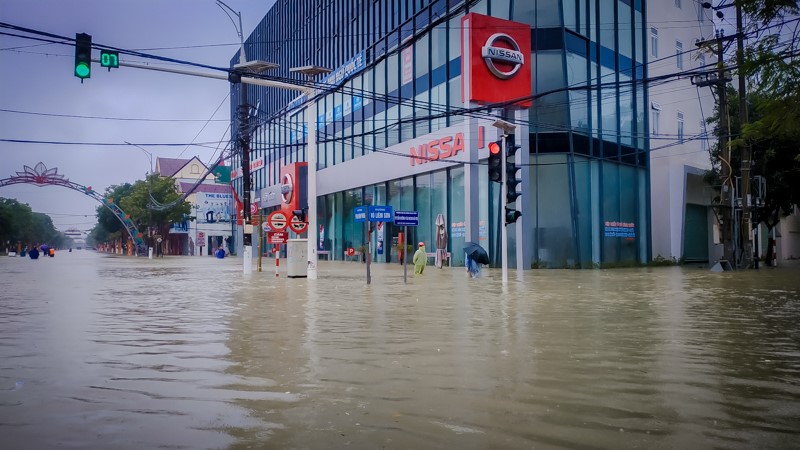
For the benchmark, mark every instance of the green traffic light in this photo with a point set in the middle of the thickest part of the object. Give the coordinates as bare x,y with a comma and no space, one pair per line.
82,70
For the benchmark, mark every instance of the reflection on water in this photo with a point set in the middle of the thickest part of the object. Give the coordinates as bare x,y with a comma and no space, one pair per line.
107,352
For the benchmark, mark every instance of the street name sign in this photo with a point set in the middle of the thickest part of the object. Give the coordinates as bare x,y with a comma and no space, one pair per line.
380,213
406,218
360,213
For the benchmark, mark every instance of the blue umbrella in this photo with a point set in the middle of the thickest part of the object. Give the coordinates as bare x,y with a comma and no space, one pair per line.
476,253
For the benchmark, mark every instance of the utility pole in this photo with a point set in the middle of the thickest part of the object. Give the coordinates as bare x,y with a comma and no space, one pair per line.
747,245
720,82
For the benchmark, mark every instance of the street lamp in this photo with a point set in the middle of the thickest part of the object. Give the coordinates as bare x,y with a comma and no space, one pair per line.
241,71
311,191
149,201
244,132
149,155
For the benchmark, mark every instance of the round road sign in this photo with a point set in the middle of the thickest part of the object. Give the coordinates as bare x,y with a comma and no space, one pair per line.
297,225
277,220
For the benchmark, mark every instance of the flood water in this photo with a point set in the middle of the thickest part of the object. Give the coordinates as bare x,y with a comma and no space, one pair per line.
106,352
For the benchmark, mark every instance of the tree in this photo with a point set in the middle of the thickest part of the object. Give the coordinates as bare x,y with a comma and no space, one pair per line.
772,69
772,64
18,223
108,226
14,220
144,209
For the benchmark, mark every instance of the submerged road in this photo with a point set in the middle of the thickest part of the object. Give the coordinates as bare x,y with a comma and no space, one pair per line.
106,352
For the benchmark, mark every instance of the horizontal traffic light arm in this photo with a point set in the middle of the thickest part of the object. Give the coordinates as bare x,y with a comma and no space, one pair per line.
245,80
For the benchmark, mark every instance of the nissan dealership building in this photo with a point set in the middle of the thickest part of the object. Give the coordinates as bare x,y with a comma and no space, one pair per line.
406,116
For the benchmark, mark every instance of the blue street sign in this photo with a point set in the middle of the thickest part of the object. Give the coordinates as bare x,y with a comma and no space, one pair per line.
406,218
360,214
378,213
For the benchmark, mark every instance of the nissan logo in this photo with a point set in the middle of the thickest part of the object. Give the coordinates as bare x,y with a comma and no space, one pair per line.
286,188
511,56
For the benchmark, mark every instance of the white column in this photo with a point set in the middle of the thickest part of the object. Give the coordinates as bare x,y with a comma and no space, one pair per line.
471,181
471,174
524,225
311,192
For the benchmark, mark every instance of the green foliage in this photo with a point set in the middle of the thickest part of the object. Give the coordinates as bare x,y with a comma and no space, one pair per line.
775,154
18,223
163,191
659,261
772,69
105,218
134,200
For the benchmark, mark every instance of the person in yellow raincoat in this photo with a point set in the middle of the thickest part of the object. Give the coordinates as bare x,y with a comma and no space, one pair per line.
420,259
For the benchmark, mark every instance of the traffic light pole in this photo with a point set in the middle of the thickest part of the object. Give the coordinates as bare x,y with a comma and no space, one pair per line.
244,146
313,231
503,226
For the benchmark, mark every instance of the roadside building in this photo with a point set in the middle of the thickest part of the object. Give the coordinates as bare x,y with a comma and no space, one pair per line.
683,224
211,206
393,127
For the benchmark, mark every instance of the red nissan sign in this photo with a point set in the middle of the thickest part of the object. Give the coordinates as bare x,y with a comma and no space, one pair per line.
496,60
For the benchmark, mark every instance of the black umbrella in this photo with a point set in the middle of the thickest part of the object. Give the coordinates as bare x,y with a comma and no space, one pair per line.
476,253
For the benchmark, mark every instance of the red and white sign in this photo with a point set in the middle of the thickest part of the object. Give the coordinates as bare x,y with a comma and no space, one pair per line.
254,165
442,148
351,251
495,60
293,186
253,208
297,225
277,237
277,220
201,239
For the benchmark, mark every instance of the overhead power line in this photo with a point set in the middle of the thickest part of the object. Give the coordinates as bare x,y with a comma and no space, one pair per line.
133,119
210,144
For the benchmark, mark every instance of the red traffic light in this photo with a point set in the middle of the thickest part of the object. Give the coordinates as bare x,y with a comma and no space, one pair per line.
494,148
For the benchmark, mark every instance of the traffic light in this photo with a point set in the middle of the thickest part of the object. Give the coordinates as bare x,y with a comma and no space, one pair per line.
512,181
300,214
495,162
83,56
512,215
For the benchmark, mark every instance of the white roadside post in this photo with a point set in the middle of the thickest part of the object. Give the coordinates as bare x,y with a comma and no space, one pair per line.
311,159
311,191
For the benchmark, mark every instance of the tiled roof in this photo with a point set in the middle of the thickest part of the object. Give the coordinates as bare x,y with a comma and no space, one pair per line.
170,166
209,188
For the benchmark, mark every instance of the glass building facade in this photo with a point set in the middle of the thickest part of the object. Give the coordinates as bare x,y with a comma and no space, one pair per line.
397,78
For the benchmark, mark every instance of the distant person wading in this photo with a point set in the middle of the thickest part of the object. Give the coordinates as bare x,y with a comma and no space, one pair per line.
420,259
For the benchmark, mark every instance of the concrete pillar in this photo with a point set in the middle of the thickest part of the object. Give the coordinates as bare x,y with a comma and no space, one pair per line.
471,180
524,226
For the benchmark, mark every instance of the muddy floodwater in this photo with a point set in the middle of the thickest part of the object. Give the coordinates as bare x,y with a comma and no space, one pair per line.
111,352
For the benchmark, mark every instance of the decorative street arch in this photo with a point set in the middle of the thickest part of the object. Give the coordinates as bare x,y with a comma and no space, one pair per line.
40,175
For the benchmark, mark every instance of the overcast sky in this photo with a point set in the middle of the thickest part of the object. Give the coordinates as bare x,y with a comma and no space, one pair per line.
37,78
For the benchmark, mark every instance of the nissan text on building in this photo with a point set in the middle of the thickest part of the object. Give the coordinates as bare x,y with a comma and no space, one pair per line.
406,115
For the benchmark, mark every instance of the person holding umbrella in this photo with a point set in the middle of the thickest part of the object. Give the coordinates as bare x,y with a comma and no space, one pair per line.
476,255
473,268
